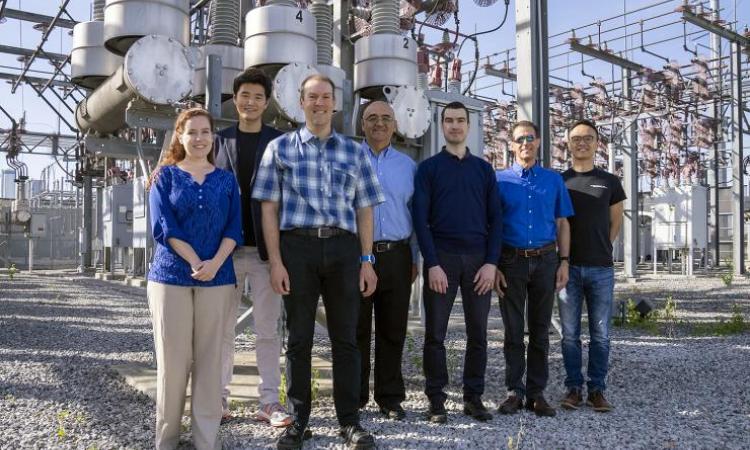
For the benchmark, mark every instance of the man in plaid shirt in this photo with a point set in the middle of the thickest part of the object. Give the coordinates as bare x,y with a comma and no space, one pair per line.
317,190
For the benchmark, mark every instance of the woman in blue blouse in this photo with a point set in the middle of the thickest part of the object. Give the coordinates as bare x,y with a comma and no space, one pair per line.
196,223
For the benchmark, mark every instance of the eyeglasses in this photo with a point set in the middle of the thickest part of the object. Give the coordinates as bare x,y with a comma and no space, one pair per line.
521,139
589,139
385,120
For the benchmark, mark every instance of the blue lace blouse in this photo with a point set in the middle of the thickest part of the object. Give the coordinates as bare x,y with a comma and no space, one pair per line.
199,214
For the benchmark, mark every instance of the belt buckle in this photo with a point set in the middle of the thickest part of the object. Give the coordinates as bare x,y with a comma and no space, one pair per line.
526,253
381,247
324,233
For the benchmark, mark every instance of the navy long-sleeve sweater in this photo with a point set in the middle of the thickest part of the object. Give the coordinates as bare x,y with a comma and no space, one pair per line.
456,207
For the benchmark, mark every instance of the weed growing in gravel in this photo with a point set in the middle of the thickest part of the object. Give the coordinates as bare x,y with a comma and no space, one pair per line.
670,317
234,405
62,416
282,389
452,358
315,385
633,319
735,325
414,354
12,271
727,278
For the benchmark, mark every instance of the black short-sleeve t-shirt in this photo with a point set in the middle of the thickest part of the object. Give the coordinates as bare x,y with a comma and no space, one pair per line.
592,194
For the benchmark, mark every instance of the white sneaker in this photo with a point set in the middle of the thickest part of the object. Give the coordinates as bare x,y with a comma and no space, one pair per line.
273,414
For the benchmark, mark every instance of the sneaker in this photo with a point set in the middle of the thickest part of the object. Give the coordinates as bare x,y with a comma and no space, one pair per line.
573,400
356,437
597,401
273,414
511,405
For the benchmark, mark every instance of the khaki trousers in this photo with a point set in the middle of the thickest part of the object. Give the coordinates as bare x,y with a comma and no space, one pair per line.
188,327
266,312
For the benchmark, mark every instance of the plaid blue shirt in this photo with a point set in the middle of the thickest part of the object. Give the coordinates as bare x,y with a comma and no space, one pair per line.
317,183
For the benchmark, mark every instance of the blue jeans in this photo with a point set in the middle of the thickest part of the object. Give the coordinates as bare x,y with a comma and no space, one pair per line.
596,286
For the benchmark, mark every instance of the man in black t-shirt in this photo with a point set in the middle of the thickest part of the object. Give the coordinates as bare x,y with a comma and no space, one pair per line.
598,202
240,148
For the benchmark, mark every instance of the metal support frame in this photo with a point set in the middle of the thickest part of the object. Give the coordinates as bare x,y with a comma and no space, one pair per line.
37,18
630,181
738,175
213,85
87,230
20,51
532,68
714,200
45,36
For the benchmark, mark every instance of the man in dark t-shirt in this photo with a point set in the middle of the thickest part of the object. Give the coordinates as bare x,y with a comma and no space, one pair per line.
598,202
240,148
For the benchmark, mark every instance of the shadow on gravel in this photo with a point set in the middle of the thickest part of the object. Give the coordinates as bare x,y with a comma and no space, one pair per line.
27,335
56,311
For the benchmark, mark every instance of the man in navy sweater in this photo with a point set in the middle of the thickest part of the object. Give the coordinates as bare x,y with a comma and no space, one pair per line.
458,221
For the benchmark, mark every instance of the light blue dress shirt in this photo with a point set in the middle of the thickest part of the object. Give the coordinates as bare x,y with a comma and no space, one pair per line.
392,218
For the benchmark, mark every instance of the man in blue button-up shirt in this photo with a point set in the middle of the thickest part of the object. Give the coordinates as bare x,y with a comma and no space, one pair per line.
395,264
536,205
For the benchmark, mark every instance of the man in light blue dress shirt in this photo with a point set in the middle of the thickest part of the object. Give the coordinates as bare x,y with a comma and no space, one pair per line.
395,264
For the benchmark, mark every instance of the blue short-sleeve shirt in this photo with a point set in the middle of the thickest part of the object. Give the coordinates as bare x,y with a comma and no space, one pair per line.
532,200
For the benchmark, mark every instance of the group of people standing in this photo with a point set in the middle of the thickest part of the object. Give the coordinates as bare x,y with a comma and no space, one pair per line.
311,214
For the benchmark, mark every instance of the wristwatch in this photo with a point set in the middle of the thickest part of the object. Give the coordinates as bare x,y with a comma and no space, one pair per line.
367,258
564,258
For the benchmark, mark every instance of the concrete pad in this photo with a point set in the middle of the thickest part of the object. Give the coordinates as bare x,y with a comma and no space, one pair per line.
244,385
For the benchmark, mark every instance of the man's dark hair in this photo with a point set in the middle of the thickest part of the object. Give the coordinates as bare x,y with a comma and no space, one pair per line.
454,105
524,123
318,77
253,76
586,122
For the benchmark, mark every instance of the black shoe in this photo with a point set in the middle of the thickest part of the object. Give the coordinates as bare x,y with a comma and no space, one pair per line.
511,405
356,437
393,412
474,408
436,413
293,437
540,406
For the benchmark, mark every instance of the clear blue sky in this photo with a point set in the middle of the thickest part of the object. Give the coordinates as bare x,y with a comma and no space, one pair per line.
563,15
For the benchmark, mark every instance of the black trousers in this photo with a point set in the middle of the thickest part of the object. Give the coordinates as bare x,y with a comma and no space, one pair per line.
460,270
327,267
532,278
391,304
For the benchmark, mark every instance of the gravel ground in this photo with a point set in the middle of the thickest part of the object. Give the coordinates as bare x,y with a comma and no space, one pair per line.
60,334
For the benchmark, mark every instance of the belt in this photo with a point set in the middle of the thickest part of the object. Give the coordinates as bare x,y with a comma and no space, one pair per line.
384,246
531,252
320,233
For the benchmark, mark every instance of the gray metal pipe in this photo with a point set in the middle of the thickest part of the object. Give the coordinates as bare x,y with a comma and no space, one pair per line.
157,69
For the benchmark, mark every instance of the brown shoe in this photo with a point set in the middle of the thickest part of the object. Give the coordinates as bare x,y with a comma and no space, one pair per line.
540,406
573,400
597,401
511,405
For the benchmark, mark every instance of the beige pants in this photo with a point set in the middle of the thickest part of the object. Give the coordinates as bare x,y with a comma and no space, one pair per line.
188,327
266,312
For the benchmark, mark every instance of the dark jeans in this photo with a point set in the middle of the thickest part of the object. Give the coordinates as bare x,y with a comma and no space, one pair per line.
534,278
460,270
391,304
327,267
595,286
